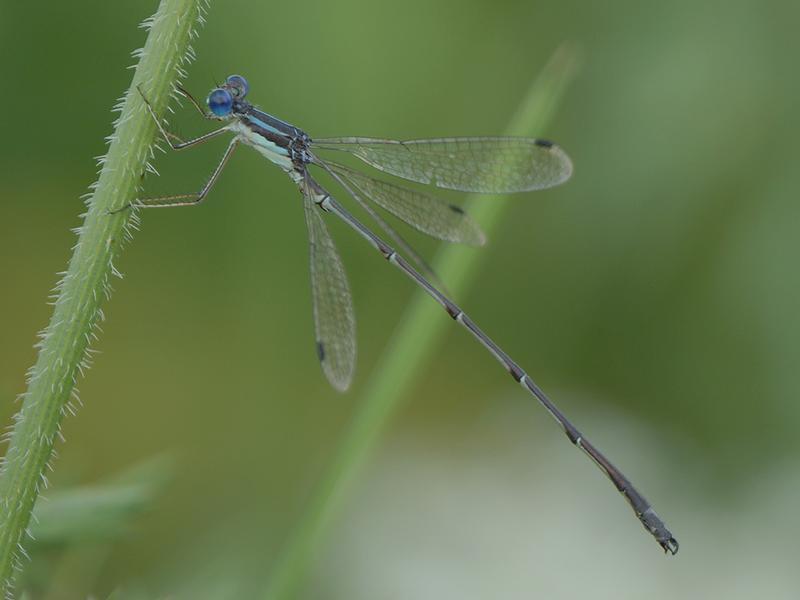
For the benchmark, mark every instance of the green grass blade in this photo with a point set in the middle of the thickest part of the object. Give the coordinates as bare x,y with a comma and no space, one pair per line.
413,345
64,343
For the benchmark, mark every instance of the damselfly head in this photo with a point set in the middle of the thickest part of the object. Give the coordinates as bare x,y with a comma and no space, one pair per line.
237,85
220,102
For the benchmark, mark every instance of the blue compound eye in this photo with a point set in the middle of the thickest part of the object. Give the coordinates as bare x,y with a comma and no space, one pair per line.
237,85
220,102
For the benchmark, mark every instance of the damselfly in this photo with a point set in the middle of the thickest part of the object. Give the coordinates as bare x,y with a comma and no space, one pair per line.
470,164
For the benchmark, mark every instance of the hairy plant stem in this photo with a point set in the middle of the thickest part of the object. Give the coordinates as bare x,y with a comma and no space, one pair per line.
64,344
420,331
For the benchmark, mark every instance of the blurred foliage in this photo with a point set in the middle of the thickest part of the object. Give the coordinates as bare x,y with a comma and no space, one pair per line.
73,528
99,511
654,296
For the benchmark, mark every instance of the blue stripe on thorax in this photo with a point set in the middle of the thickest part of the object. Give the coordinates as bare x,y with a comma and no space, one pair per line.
263,125
273,124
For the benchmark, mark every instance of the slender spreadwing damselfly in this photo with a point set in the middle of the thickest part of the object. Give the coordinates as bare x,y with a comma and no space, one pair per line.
468,164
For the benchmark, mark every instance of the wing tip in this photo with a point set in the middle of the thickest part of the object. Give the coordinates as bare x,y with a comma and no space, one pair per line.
565,168
339,381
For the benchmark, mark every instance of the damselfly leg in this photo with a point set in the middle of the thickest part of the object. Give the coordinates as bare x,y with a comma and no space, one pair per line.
193,198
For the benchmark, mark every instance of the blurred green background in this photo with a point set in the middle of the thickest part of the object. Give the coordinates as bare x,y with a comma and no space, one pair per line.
654,297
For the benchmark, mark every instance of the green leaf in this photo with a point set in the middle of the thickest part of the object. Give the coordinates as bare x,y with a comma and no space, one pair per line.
99,511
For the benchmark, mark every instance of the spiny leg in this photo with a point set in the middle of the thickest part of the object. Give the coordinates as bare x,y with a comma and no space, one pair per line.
205,114
169,136
184,199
